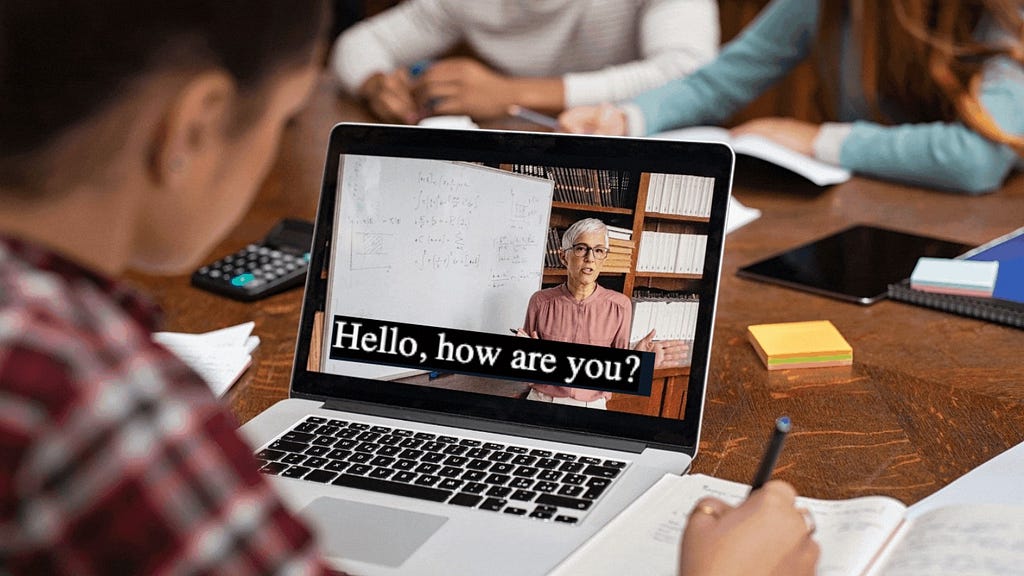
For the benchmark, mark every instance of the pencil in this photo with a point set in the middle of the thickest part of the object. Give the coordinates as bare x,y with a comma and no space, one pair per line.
771,454
533,116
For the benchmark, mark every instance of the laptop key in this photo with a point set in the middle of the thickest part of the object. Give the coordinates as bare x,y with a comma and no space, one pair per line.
566,519
564,502
287,446
316,462
474,487
614,464
451,484
268,454
524,495
493,504
295,472
360,469
514,510
463,499
321,476
293,459
405,477
602,471
336,465
494,446
396,488
274,468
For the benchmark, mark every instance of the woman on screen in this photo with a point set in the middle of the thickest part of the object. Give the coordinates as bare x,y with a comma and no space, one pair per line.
582,311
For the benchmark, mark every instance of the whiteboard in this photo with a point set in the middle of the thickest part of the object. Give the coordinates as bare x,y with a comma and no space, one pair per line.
433,242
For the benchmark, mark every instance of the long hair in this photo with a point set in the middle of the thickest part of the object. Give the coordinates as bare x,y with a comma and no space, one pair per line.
923,56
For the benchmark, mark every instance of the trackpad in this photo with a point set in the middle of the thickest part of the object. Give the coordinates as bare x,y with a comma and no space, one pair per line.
369,533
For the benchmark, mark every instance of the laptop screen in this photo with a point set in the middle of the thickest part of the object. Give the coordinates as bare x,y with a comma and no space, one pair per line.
556,281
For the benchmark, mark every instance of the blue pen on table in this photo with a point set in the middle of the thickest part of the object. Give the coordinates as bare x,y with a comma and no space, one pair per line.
517,111
771,454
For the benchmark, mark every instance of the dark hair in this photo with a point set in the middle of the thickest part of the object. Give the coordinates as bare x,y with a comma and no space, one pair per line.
63,60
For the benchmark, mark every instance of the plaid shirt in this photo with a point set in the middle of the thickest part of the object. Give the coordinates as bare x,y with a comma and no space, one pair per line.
115,458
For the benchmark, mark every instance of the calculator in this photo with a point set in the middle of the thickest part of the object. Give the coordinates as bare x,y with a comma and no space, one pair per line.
277,263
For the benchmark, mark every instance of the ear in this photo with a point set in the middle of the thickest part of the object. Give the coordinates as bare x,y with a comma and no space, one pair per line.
562,258
192,128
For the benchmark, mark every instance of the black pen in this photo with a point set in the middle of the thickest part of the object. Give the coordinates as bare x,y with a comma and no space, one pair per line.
782,426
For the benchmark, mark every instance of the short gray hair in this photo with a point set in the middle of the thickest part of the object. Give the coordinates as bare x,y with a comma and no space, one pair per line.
581,227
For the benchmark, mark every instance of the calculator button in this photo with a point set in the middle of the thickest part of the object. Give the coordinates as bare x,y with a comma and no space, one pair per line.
242,279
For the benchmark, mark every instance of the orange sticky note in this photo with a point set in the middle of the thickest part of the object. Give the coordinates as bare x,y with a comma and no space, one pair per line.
800,345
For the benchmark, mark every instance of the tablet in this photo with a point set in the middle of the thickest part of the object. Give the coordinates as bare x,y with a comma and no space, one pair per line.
856,264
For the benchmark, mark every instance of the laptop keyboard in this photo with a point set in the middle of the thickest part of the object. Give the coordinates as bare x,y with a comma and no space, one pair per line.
462,471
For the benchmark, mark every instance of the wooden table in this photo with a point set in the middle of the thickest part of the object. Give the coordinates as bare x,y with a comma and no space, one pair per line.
929,396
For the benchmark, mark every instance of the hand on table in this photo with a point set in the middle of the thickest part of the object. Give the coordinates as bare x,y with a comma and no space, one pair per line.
603,119
794,134
765,535
457,86
667,353
390,97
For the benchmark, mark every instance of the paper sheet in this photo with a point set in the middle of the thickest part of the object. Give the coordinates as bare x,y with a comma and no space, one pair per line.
220,356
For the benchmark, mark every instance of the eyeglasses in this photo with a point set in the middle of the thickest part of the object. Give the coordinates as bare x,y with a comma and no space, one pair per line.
580,251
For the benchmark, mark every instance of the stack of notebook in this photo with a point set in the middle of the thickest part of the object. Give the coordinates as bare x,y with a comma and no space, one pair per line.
1004,301
620,257
800,345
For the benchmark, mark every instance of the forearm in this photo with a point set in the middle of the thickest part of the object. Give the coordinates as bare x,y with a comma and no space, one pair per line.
412,31
766,51
542,94
937,155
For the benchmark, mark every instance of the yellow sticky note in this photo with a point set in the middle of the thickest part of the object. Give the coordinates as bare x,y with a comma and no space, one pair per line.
800,345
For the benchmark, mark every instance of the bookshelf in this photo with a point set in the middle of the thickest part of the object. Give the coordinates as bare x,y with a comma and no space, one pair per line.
623,200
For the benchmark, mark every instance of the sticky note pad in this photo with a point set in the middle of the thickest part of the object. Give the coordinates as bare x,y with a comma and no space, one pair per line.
963,277
800,345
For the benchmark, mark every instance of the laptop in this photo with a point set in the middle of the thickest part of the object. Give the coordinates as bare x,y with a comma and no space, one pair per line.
423,433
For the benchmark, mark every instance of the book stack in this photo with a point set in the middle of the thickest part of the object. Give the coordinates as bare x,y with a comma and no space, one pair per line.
800,345
680,194
620,259
671,253
1004,303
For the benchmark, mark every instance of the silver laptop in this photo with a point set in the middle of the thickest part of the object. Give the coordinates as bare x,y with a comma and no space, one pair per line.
422,436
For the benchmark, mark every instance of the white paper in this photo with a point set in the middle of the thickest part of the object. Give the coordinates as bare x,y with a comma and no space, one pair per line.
818,172
450,122
739,215
997,481
220,357
645,538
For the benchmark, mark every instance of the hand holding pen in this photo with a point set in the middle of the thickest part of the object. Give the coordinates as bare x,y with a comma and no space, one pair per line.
765,534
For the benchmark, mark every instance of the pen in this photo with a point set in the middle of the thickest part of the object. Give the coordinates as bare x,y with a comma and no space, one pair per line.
533,116
782,426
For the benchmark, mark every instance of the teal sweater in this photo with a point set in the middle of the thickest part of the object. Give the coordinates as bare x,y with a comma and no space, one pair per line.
936,154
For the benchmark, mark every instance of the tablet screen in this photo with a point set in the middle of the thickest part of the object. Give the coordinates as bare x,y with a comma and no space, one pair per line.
856,264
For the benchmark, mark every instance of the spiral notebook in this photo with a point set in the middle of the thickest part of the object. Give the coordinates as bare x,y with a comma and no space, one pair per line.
1007,303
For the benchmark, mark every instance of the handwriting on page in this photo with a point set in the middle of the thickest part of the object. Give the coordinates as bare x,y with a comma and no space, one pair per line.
976,540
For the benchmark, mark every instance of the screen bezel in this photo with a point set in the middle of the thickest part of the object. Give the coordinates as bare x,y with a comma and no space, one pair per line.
701,159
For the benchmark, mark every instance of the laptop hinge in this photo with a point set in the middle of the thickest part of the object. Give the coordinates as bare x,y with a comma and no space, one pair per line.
486,425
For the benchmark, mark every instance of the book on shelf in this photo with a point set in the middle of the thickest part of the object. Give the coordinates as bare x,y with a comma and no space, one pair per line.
584,186
671,253
672,315
812,169
1006,306
865,536
679,194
